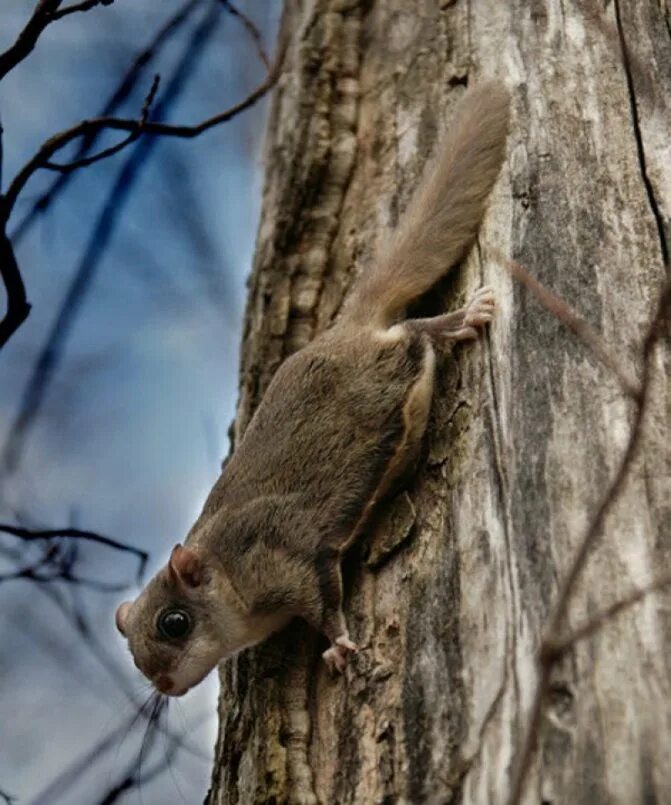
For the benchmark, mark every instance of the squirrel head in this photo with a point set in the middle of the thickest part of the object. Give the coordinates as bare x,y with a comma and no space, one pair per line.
183,623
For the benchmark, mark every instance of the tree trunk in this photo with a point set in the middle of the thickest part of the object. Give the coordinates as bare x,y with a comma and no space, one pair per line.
449,596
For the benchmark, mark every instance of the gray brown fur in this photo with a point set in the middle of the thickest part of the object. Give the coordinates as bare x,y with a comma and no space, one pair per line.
338,426
314,454
442,220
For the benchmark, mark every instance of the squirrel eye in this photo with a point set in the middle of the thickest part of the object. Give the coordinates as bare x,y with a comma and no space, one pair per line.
174,623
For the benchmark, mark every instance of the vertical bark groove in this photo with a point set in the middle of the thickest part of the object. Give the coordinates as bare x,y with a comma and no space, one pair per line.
640,149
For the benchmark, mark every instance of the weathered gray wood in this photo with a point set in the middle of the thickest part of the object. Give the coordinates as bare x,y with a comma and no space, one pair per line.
526,430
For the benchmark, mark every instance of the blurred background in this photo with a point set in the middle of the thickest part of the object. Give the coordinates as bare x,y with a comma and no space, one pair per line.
117,393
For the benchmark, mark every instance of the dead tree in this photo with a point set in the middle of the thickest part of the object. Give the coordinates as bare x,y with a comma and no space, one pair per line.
452,595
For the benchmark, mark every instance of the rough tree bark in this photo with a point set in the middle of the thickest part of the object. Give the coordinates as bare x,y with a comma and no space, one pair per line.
449,596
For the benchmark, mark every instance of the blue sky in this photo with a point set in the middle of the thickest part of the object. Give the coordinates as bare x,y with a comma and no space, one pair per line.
133,427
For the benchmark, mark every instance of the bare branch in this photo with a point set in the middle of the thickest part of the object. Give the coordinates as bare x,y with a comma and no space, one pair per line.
85,5
88,127
65,556
8,799
555,649
251,29
574,322
28,37
32,574
100,652
57,786
136,778
120,94
18,307
137,160
113,149
60,784
46,12
30,535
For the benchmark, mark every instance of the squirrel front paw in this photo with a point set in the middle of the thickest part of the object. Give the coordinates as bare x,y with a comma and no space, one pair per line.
337,655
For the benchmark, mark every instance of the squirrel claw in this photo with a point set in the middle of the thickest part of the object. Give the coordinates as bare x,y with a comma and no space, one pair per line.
337,655
480,309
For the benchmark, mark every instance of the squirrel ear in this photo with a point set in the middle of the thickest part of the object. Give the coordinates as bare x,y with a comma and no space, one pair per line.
185,567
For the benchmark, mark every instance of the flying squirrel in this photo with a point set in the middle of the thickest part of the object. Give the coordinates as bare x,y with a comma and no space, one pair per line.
339,427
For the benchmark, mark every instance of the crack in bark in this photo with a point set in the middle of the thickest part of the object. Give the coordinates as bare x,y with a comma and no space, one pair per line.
667,19
638,136
502,487
503,496
562,10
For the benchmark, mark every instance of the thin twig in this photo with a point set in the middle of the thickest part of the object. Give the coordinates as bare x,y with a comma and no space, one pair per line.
31,535
251,29
50,572
17,306
56,787
27,39
113,149
149,99
75,615
73,772
559,308
548,658
137,160
85,5
88,127
8,799
120,94
28,574
557,648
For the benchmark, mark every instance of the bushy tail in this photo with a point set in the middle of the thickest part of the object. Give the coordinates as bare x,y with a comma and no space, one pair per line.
442,220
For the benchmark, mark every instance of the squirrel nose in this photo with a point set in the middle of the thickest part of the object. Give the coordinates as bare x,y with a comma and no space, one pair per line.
164,683
121,616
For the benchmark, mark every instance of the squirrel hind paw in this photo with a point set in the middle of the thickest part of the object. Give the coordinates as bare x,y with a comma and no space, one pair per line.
337,655
483,301
480,309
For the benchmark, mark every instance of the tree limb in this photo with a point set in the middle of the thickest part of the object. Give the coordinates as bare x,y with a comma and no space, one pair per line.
137,160
555,649
115,100
18,306
95,125
46,12
8,799
31,535
85,5
251,29
41,17
84,162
